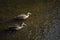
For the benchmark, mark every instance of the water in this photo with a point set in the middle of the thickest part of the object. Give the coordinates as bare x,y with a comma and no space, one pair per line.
43,24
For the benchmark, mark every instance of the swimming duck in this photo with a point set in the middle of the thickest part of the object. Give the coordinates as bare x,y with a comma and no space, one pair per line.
17,27
23,16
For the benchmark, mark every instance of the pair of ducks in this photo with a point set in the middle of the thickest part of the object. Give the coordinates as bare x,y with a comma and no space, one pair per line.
19,17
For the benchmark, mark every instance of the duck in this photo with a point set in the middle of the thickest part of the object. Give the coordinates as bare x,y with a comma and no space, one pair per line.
16,27
23,16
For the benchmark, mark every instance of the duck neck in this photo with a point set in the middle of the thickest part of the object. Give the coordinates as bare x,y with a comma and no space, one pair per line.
22,25
27,14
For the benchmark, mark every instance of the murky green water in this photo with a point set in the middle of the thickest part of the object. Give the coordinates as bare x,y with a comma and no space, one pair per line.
42,11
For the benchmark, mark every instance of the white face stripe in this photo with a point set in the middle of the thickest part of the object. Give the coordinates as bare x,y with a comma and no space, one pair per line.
23,24
29,13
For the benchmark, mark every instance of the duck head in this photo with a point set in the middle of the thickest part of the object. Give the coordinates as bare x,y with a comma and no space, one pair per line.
23,24
28,13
